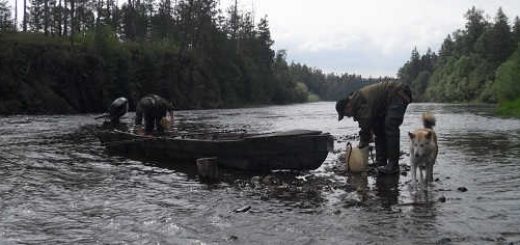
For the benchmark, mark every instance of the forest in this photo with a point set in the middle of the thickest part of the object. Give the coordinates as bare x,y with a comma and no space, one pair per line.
70,56
477,64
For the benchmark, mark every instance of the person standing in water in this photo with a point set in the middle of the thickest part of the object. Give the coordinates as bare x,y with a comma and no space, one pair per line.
379,109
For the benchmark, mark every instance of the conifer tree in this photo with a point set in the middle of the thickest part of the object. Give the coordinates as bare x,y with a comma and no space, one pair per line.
475,26
6,23
502,41
516,32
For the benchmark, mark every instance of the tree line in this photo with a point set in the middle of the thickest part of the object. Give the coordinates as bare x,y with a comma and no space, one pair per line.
78,55
479,63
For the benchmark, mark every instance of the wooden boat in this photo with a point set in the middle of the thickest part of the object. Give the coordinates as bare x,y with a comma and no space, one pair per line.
295,150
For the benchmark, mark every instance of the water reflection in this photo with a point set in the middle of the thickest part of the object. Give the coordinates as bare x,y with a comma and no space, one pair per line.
494,143
387,189
359,182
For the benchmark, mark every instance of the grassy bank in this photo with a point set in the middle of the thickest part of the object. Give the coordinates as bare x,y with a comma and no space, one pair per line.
509,108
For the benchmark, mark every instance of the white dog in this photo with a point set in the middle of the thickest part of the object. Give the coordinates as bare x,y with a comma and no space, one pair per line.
423,149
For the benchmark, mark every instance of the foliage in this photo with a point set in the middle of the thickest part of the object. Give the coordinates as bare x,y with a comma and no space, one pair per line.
507,83
510,108
328,86
6,23
81,55
417,72
466,68
459,80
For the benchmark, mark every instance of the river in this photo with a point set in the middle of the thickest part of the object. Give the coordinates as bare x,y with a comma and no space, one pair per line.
59,185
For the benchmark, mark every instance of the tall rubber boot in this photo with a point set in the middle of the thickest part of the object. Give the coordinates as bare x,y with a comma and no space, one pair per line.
149,122
392,149
380,143
394,119
381,158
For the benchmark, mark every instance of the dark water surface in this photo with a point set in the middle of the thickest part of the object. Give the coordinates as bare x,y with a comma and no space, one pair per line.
58,185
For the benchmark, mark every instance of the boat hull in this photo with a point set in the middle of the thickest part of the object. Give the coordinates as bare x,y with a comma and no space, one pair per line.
293,150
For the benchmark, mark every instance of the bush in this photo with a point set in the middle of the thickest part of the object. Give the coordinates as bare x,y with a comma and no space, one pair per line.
507,84
509,108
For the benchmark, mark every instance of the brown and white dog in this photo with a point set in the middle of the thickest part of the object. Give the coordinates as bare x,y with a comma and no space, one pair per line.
423,149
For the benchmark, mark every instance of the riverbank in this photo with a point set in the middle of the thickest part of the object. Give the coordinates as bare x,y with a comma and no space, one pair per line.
509,108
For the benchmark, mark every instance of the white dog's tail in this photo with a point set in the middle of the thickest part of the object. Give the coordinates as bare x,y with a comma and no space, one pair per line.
428,120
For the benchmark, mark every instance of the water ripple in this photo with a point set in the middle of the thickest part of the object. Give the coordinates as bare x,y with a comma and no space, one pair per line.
59,186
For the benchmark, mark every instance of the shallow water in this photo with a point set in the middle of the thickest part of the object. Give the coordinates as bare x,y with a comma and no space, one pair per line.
58,185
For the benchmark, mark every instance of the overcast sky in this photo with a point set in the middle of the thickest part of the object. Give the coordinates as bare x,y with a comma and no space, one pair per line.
367,37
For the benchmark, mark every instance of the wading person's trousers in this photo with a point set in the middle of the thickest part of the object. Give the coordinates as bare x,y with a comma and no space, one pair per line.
387,134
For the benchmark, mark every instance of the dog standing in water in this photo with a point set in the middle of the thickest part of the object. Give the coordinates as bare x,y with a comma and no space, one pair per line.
423,149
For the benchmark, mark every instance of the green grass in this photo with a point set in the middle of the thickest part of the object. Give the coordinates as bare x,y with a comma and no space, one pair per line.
509,108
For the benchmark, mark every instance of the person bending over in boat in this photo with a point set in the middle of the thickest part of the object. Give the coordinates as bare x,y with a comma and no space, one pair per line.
116,110
154,109
379,108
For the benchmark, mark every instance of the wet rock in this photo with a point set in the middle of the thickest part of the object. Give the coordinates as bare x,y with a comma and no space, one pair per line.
444,241
495,239
462,189
442,199
232,238
256,180
349,204
305,204
268,180
242,209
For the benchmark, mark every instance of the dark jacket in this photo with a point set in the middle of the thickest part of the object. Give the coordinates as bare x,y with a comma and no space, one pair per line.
152,107
117,109
370,103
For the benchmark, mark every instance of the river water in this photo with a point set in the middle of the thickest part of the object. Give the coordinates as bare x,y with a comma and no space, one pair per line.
59,185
